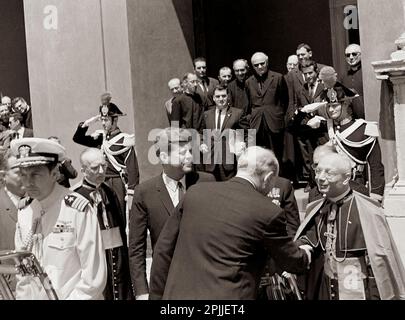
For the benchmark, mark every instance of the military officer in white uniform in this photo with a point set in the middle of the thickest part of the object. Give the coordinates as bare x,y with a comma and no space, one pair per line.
58,227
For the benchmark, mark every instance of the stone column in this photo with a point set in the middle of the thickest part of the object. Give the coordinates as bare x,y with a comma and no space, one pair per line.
394,202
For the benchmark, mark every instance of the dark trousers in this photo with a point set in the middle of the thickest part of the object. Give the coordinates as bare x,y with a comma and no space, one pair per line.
271,140
116,184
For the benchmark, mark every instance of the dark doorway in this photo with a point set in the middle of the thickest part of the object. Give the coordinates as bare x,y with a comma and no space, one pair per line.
13,51
230,29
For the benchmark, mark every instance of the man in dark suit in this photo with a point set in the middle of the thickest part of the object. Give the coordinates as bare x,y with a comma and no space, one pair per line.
206,85
223,231
155,199
21,106
237,88
282,195
175,89
300,118
353,79
18,130
187,108
221,122
295,79
268,101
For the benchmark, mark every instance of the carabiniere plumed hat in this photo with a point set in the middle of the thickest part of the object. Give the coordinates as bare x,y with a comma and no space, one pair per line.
339,93
32,152
111,110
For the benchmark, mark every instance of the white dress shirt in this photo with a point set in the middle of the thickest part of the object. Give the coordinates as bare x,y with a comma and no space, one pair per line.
173,187
223,115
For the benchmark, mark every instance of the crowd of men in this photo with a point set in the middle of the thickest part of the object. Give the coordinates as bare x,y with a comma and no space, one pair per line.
222,217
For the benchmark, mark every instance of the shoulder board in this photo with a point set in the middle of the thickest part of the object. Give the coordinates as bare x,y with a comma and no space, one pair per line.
371,129
76,201
24,202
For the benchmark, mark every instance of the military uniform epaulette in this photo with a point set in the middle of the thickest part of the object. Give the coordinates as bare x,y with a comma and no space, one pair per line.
24,202
77,201
371,129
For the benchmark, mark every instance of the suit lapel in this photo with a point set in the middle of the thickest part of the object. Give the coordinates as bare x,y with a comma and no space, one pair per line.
164,195
305,93
300,77
8,205
227,117
211,119
318,91
266,84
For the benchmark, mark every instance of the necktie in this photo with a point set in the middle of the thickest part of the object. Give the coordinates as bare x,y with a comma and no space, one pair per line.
311,90
219,120
181,191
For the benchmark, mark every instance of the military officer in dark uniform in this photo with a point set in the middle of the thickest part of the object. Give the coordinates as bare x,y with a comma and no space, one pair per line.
358,139
105,205
122,174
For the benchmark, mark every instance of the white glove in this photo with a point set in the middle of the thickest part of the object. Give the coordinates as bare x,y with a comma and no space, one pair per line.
204,148
308,249
313,107
94,119
315,122
142,297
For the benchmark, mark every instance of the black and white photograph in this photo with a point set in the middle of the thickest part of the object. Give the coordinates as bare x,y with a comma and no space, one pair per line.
203,155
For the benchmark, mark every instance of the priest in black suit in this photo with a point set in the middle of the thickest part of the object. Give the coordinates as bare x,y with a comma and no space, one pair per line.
268,102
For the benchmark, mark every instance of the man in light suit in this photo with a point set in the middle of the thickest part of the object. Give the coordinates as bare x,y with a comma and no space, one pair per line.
156,198
219,124
223,231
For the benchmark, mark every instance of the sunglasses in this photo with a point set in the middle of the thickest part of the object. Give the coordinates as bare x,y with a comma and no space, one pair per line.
354,54
260,64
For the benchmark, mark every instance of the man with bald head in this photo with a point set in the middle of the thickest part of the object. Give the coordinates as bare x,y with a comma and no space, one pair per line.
188,108
224,76
355,257
237,88
268,101
292,62
353,79
175,89
220,254
104,204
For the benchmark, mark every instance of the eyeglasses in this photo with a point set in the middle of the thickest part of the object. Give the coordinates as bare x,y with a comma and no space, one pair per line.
260,64
328,175
354,54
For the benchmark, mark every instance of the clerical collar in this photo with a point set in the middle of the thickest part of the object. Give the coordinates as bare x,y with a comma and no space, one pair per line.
340,197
